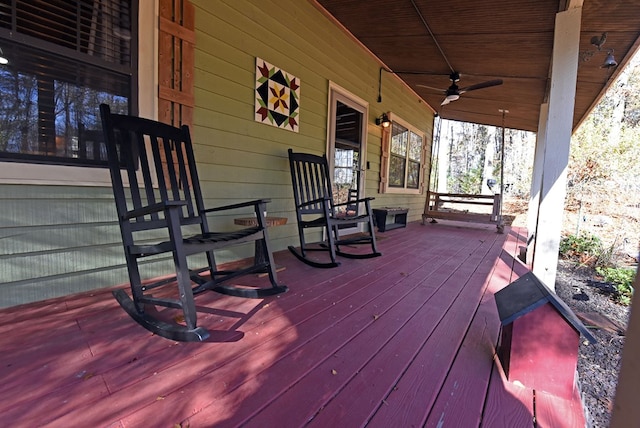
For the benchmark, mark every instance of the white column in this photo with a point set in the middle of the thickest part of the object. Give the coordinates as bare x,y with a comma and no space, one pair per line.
536,182
564,72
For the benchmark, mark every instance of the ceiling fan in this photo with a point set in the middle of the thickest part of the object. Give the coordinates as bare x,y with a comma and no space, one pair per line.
453,92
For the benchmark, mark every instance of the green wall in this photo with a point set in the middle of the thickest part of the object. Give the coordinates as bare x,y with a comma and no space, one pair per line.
58,240
241,157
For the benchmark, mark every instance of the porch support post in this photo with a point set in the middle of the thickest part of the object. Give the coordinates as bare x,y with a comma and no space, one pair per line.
536,182
557,137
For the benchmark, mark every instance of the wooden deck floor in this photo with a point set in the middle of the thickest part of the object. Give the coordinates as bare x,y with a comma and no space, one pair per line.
407,339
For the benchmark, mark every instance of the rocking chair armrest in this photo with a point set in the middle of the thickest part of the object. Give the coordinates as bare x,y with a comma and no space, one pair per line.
239,205
354,201
313,202
154,208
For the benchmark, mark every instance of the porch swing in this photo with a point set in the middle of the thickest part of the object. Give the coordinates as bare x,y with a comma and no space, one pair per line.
445,206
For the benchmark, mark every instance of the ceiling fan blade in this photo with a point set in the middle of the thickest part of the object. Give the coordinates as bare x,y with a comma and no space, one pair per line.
445,102
431,87
482,85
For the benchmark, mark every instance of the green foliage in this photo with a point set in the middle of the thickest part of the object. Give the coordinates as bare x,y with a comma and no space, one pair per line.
577,247
586,249
603,147
622,280
470,182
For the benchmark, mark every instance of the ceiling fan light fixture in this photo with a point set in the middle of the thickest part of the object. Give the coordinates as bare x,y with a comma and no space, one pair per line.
453,97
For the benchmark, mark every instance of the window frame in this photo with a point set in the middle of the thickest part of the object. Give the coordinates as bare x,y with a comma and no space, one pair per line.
143,101
385,186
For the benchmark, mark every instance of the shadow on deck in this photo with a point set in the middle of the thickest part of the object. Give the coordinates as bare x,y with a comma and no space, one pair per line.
406,339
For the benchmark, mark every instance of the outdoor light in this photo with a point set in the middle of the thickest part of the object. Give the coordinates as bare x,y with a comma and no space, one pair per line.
610,61
383,120
3,59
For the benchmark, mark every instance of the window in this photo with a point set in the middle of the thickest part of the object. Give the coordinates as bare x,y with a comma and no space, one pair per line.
65,57
404,147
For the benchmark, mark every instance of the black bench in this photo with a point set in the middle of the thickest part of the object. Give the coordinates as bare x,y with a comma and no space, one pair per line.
399,217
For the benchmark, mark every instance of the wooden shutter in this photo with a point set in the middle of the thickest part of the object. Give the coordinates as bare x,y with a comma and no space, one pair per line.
176,62
384,160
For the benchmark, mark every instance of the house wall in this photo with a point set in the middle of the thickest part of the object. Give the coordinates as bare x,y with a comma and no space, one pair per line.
239,156
58,239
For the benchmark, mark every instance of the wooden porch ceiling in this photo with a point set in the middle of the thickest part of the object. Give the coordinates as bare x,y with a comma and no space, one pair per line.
510,40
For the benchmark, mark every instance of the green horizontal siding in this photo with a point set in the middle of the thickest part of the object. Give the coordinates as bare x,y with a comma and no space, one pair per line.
299,39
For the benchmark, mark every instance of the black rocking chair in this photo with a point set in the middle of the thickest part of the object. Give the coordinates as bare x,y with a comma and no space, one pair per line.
158,203
315,208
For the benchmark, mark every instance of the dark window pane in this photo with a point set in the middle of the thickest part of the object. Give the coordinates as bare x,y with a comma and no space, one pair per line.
399,140
396,171
68,57
413,175
405,160
348,125
415,147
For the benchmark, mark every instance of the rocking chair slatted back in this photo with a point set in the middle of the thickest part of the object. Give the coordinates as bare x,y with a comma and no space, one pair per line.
311,183
171,164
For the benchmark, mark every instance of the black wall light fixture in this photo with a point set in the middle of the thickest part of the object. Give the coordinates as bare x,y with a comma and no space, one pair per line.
383,120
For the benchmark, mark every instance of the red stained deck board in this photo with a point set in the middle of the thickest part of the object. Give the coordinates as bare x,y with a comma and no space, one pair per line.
365,392
292,368
461,399
185,372
266,358
388,311
312,389
424,377
507,405
31,311
395,275
307,332
38,374
298,308
76,398
143,366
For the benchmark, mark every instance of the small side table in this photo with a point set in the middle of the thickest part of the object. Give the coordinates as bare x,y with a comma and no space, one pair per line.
260,256
399,215
252,221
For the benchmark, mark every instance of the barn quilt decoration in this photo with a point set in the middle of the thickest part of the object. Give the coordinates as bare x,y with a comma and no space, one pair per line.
277,96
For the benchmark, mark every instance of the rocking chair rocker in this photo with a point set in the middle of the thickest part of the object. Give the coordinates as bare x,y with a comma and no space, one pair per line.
160,202
313,196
